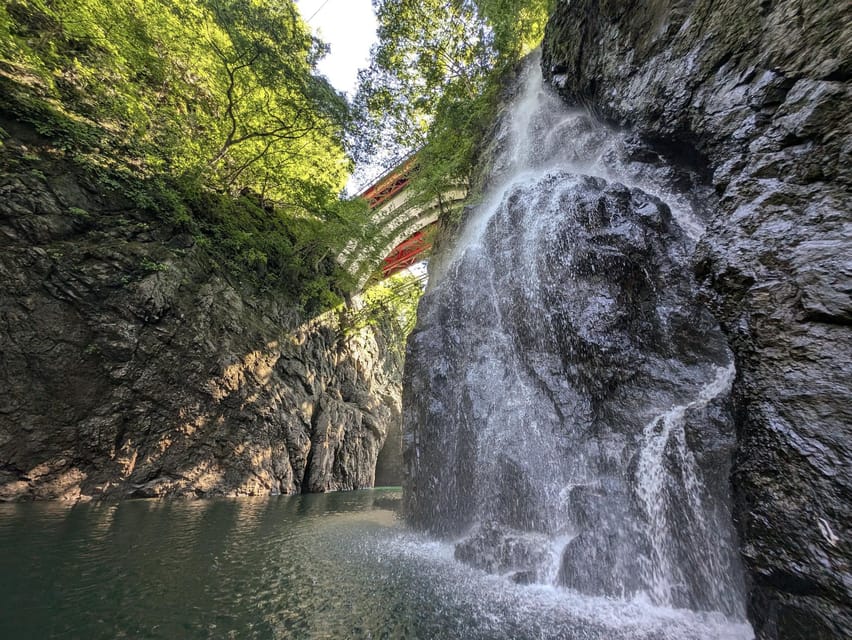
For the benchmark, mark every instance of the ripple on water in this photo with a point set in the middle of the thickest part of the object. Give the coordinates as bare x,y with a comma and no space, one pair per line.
306,567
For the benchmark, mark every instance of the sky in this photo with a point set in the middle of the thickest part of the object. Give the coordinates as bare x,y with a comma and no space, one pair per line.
349,26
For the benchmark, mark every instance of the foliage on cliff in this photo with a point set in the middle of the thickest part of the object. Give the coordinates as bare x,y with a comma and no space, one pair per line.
208,111
223,89
390,304
435,77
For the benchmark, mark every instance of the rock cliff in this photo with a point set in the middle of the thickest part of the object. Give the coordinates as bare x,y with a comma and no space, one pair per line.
567,403
131,365
755,95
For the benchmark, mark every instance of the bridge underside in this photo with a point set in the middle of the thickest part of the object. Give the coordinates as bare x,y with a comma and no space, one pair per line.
409,252
406,227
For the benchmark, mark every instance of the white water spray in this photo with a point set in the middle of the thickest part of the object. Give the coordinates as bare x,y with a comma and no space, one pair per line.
565,318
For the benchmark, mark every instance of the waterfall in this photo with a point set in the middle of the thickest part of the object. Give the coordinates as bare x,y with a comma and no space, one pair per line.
567,414
660,571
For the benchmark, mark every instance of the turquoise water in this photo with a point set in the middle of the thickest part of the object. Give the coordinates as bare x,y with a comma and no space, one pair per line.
305,567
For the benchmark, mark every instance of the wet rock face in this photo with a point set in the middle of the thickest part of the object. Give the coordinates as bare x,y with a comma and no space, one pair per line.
535,386
129,368
758,93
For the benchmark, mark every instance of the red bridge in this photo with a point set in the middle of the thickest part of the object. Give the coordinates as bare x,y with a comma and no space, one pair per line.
406,228
410,251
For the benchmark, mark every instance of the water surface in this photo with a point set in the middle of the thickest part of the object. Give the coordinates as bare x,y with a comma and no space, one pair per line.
331,566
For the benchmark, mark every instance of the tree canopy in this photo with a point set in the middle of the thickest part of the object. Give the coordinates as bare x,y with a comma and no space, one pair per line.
216,101
221,89
434,79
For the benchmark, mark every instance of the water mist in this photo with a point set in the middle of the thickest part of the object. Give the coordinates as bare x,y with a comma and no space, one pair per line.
567,414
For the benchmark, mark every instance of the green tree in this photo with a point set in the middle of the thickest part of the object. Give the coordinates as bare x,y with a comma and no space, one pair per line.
209,112
434,80
423,48
278,118
517,25
224,91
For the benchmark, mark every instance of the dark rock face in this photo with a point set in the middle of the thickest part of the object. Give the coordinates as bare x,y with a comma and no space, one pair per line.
129,368
556,373
389,468
758,93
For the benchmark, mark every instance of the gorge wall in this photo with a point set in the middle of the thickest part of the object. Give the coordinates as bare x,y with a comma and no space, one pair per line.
567,405
131,365
755,95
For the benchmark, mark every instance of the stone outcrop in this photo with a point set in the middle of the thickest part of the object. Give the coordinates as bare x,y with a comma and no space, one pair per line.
131,366
756,96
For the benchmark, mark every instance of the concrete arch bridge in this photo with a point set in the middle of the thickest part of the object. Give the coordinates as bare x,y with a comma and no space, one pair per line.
405,226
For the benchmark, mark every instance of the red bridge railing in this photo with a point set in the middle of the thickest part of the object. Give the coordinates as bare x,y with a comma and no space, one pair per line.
389,184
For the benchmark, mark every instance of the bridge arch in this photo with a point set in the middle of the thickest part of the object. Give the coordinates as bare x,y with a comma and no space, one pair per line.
404,225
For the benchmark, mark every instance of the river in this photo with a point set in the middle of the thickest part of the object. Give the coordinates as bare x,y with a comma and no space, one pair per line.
328,566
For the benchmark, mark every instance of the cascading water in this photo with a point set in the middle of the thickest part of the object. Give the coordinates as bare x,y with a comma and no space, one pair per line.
652,481
567,417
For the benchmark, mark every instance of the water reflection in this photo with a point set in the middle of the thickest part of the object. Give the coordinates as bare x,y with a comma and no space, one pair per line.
329,566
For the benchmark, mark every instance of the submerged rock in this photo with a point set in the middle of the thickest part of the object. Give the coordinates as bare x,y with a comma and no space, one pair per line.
756,93
501,549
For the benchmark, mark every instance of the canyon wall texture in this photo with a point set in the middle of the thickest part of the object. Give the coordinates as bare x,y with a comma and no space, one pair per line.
755,95
131,365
